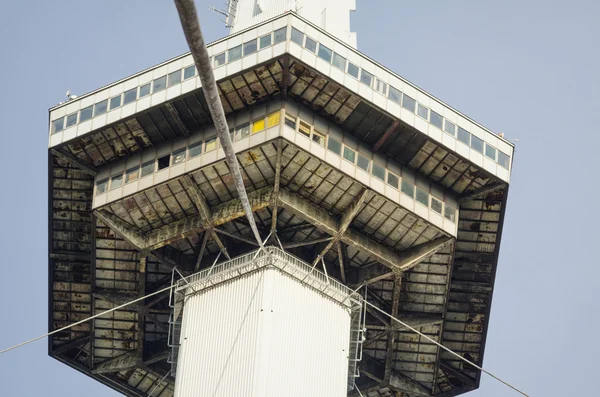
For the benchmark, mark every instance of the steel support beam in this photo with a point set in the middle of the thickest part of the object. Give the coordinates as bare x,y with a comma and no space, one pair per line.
482,191
341,256
221,214
415,320
276,184
389,357
385,136
465,379
125,361
304,243
398,382
199,201
70,345
344,223
175,114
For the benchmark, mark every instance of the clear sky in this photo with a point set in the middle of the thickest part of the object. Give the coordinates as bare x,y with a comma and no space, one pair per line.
529,69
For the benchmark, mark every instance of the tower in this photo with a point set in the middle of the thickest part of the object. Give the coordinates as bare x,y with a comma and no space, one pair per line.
364,187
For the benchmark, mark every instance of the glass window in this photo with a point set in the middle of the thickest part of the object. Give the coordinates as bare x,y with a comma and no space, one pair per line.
450,128
234,53
464,136
503,159
290,121
310,45
101,186
132,174
349,154
71,119
366,78
408,103
116,181
273,119
392,180
159,84
265,41
242,131
297,36
436,119
130,96
258,126
304,128
334,145
219,60
164,162
436,205
339,61
174,78
353,70
378,171
490,152
86,113
189,72
280,34
380,87
363,162
422,197
395,95
324,53
476,144
115,102
195,149
58,125
178,156
147,168
408,188
449,213
144,90
210,144
250,47
100,107
318,138
422,111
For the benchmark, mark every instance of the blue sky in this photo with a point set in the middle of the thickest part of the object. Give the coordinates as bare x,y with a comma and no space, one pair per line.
529,69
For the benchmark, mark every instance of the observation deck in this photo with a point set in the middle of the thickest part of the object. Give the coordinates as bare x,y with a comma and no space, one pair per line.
346,160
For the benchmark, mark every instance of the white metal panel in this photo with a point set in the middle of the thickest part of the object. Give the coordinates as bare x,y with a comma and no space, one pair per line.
264,334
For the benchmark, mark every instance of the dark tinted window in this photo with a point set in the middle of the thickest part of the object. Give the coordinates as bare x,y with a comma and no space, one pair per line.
378,171
334,145
436,205
363,162
189,72
310,45
279,35
408,103
476,144
164,162
339,61
129,96
219,60
115,102
490,152
450,128
422,111
408,188
100,107
392,180
144,90
195,149
250,47
235,53
464,136
86,114
147,168
159,84
353,70
395,95
297,36
58,125
265,41
423,197
436,119
324,53
174,78
366,77
71,120
503,159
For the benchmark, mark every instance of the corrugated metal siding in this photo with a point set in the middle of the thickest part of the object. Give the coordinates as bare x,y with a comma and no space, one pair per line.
263,334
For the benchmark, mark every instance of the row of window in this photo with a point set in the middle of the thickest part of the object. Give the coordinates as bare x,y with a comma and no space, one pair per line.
250,47
301,127
400,98
372,167
180,155
156,85
166,81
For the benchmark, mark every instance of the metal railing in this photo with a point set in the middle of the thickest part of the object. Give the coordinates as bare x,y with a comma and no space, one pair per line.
270,257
